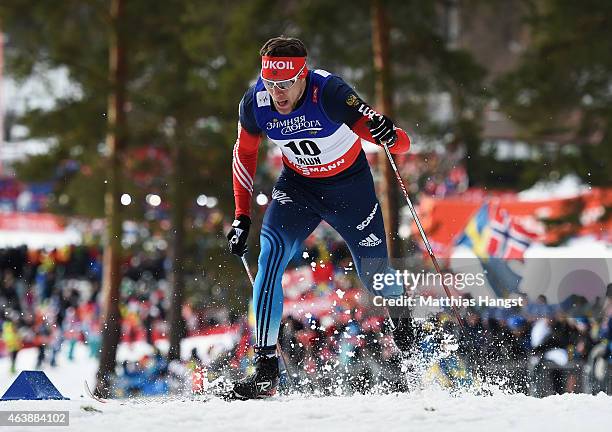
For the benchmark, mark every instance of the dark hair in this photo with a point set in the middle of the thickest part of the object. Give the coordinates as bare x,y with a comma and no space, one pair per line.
283,47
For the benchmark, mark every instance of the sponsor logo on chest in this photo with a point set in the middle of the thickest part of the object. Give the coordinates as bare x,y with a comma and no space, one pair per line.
309,170
294,125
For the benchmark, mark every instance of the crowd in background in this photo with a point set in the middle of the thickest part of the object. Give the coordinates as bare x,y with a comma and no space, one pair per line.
50,299
23,197
434,174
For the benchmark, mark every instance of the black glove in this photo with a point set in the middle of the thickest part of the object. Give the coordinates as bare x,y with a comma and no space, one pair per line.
238,235
382,130
381,127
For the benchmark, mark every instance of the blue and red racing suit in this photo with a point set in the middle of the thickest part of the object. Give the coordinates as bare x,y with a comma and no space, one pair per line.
325,176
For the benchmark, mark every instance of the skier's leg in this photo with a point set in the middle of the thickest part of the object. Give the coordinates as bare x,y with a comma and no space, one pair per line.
357,217
288,221
355,213
285,226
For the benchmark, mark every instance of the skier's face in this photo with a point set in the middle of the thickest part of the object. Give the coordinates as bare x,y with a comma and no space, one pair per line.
285,100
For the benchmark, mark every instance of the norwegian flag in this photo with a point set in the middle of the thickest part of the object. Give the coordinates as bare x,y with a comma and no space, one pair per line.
508,239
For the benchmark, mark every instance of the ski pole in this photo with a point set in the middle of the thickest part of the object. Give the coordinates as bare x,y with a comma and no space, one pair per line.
422,231
248,270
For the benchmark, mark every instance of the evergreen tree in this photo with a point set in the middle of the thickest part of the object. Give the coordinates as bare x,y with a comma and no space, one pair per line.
561,90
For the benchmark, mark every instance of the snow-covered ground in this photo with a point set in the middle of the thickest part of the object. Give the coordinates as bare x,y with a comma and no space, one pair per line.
431,409
69,375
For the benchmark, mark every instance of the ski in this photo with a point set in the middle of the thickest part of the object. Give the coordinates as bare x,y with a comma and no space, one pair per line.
232,396
222,389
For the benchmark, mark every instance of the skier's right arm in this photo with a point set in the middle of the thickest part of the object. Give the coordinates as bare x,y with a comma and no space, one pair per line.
244,164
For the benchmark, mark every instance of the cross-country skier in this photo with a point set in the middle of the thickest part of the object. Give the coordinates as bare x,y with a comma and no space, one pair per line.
318,122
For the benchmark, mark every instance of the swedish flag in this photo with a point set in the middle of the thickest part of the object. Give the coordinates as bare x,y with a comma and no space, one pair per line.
477,233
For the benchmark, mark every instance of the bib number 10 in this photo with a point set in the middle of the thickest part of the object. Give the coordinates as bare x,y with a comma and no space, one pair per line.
304,147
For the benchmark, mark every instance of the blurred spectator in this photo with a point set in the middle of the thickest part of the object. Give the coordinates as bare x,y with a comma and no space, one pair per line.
12,340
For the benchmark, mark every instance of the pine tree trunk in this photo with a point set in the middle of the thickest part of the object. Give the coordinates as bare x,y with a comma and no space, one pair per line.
115,141
1,93
382,70
177,254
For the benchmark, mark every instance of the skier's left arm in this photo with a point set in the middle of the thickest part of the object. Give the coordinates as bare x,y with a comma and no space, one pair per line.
343,105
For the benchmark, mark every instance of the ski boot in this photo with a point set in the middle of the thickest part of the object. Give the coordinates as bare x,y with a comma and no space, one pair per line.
404,330
263,382
398,369
396,373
